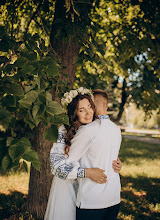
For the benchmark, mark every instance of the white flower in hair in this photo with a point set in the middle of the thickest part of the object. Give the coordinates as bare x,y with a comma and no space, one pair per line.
73,93
80,90
66,94
69,96
87,91
69,99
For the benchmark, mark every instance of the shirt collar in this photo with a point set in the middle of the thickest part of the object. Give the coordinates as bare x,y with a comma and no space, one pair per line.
103,116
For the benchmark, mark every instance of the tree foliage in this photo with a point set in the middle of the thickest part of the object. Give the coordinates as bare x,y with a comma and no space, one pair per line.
29,73
124,41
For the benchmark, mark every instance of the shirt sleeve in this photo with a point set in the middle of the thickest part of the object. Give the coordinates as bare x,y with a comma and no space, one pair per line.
58,164
80,144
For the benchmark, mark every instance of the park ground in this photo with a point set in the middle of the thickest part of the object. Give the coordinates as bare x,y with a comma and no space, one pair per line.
140,179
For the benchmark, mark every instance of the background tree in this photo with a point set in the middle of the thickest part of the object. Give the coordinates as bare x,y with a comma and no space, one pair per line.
124,53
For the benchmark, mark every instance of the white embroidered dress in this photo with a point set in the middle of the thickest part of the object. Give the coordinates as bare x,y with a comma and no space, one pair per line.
62,199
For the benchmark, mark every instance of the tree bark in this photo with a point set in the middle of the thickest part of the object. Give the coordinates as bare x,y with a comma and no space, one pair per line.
40,182
123,102
65,45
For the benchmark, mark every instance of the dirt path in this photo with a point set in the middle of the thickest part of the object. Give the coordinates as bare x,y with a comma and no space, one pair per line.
143,139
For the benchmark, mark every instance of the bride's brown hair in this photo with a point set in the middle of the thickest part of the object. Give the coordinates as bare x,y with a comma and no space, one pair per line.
74,123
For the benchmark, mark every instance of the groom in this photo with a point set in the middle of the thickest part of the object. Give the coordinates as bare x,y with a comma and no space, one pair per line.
97,145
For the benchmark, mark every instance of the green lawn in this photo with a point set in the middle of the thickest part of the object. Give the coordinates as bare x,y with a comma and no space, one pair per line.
140,178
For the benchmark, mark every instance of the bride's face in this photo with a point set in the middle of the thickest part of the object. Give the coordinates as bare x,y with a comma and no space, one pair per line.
85,112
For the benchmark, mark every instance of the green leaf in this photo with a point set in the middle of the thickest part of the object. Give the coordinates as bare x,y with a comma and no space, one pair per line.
27,69
51,134
41,109
31,156
28,99
25,142
15,89
52,69
21,62
9,101
60,119
26,103
48,96
36,165
16,151
28,88
9,141
5,115
17,148
42,84
13,133
12,122
42,98
6,162
15,164
30,123
54,108
35,111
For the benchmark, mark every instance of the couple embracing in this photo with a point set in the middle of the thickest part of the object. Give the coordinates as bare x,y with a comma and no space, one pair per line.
84,161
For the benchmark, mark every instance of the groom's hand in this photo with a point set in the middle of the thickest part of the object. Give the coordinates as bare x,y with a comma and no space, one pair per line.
117,165
96,174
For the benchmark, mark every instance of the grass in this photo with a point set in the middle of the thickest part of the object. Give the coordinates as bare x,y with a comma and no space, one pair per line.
140,179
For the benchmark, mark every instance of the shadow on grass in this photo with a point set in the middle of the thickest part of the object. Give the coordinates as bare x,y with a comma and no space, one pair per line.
138,150
10,205
140,198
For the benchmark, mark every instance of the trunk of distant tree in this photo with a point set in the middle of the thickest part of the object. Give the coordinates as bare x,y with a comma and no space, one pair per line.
40,182
123,101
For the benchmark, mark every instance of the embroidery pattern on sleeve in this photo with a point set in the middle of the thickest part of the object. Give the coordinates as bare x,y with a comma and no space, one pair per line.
75,186
61,138
63,171
56,157
81,172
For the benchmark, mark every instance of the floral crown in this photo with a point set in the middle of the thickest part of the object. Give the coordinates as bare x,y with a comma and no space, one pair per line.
69,96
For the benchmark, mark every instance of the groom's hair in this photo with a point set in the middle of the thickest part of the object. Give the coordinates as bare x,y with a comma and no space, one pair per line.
100,93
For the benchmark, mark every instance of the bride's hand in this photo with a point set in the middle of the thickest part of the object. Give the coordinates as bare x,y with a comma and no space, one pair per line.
117,165
96,174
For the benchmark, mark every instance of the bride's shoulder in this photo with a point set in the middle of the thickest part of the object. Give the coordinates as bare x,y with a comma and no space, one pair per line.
62,129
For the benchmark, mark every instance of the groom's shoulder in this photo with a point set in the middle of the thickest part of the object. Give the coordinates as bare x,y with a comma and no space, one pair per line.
113,125
93,127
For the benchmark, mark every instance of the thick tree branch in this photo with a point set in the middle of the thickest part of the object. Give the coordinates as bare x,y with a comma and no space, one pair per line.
123,102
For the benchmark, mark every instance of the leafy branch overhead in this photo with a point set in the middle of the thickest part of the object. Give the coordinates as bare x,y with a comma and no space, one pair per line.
27,80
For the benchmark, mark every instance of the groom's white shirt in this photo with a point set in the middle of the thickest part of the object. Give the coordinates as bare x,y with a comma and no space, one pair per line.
97,145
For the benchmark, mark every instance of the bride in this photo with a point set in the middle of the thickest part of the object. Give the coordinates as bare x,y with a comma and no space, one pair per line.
62,199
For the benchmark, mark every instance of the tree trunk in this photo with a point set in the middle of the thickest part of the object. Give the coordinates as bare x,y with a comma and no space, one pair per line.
123,102
66,46
40,182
